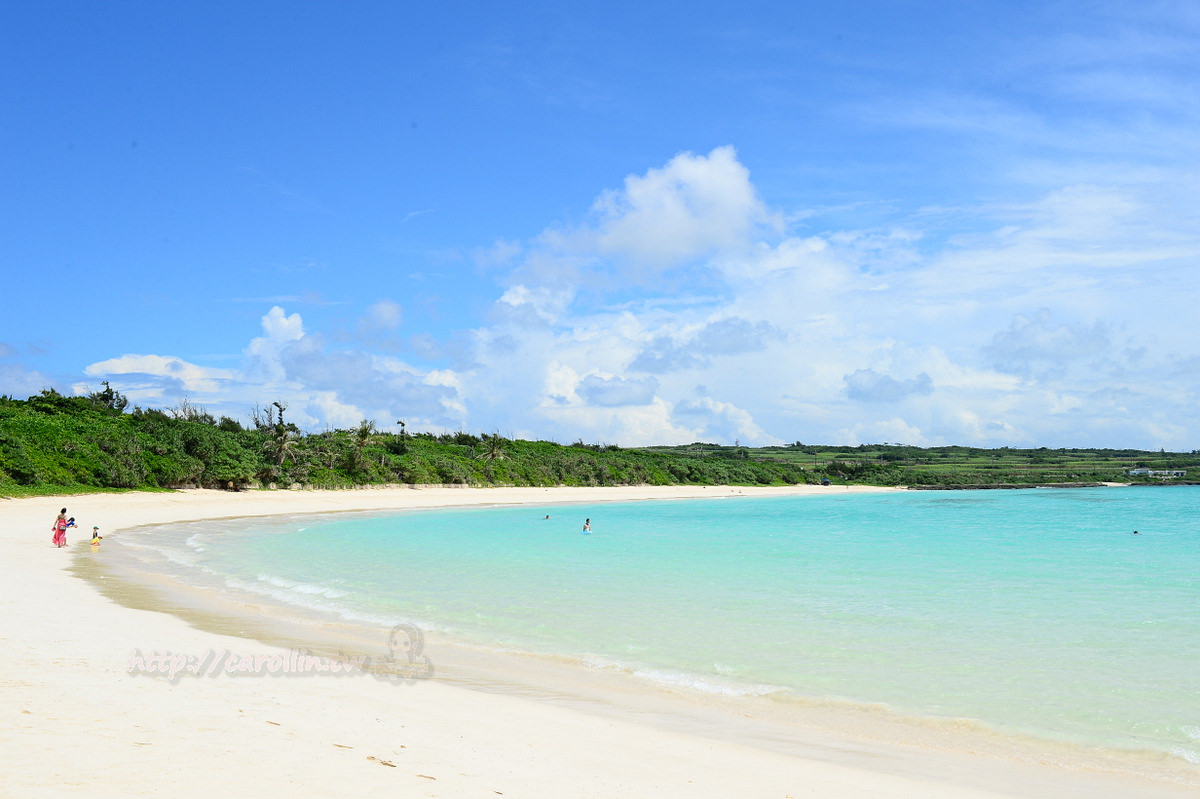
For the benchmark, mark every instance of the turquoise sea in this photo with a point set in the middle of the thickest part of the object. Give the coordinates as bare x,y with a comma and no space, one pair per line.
1035,612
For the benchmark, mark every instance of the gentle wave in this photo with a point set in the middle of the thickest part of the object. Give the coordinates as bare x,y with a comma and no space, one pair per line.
171,554
310,601
681,679
301,588
1187,754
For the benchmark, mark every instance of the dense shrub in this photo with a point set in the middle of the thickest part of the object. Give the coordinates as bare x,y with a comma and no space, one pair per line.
91,442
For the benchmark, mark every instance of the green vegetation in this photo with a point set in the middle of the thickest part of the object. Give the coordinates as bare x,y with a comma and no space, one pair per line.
51,443
54,444
961,467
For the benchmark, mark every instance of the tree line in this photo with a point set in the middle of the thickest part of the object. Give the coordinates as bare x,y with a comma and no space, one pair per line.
51,441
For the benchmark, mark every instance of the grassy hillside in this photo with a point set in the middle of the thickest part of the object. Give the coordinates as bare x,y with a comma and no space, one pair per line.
948,467
55,443
52,443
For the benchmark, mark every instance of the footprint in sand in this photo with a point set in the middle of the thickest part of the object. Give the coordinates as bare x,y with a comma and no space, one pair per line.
382,762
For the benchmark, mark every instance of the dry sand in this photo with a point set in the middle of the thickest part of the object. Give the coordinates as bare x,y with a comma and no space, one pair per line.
76,721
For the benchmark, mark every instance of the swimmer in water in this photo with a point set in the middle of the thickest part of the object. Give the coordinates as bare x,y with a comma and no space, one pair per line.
587,526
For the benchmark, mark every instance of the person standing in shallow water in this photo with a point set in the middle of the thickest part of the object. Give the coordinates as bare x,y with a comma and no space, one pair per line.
60,529
587,526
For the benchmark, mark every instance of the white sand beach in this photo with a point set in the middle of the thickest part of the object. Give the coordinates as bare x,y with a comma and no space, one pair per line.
77,722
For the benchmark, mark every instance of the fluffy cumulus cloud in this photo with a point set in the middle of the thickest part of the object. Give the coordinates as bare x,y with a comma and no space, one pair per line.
1036,323
684,308
154,375
323,385
692,207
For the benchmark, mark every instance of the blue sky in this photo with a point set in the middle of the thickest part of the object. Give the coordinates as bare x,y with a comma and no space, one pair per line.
924,222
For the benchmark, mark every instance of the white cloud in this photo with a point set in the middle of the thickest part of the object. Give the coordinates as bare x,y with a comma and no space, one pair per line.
322,385
160,369
626,426
871,386
17,381
996,337
609,392
696,346
894,430
1063,320
534,306
1035,344
384,315
721,422
693,212
324,408
694,206
279,331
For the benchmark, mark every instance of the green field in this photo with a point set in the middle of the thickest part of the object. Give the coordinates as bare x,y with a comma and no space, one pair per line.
946,467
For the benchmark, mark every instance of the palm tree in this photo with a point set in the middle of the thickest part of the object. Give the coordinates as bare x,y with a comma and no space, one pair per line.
283,436
364,434
493,449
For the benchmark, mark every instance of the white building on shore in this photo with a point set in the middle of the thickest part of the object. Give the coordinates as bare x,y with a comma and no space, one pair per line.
1165,474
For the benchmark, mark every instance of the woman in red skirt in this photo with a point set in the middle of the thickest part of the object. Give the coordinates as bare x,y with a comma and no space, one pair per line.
60,529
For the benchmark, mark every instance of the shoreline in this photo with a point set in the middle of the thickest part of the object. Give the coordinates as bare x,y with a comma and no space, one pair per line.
71,684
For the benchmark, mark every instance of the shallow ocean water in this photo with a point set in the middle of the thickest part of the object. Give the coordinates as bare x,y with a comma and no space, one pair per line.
1036,612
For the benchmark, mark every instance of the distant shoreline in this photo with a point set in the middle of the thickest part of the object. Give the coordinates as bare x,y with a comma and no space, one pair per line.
56,440
674,490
